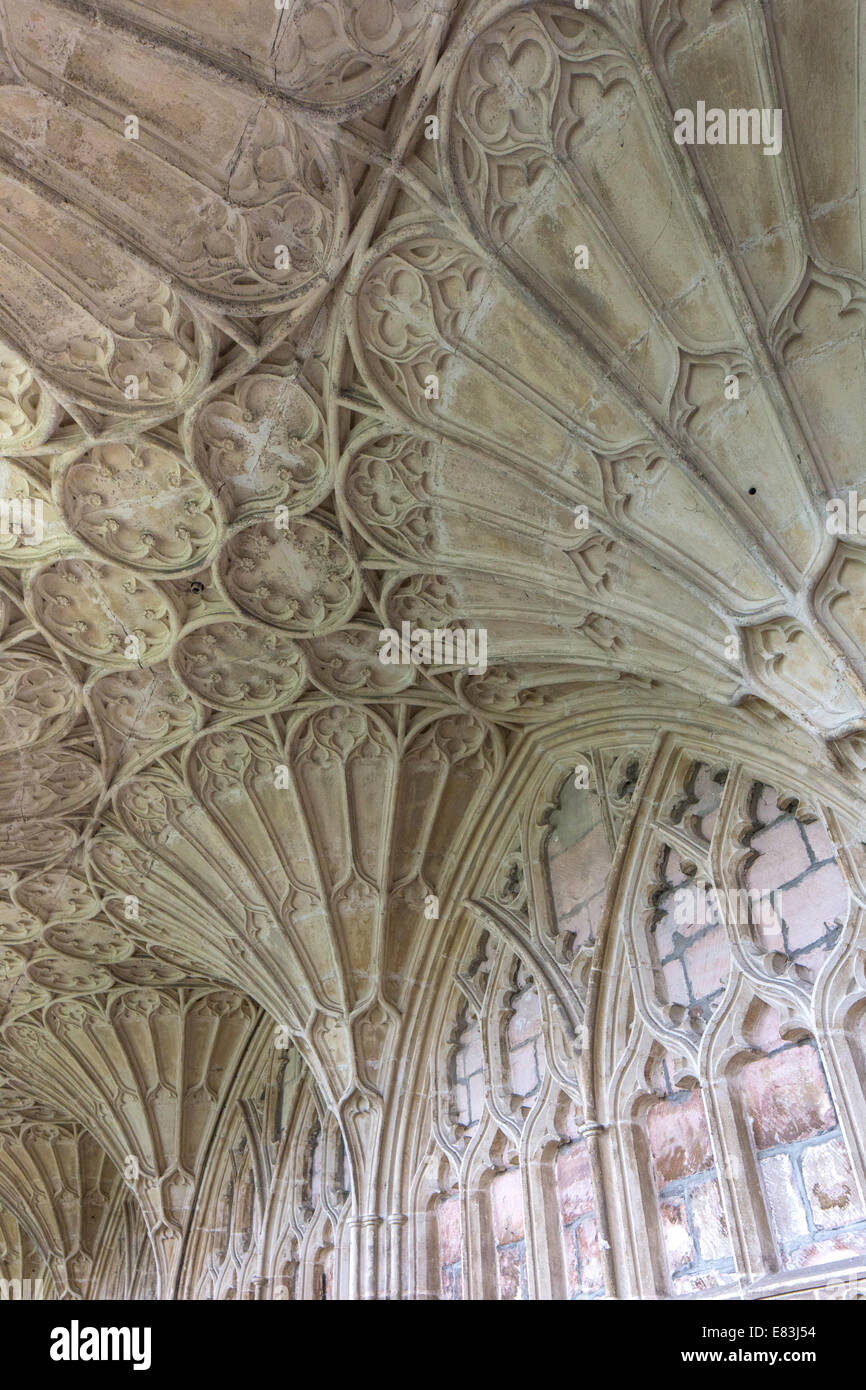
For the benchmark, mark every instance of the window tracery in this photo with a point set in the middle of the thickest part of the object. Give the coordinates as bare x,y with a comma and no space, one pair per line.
483,904
509,1234
578,861
792,871
468,1071
688,941
807,1181
450,1247
524,1037
576,1201
694,1225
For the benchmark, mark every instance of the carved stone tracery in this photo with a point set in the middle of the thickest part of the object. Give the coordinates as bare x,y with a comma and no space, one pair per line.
322,977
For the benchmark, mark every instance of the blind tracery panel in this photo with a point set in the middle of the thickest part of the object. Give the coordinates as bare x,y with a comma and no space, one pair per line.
723,1138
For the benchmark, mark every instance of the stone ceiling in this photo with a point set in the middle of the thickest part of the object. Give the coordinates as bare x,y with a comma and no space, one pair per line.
287,362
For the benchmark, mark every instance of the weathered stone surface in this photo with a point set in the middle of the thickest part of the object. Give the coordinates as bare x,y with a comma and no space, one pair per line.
366,328
679,1139
786,1097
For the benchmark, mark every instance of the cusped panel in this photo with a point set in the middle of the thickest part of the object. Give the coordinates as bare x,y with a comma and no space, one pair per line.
13,964
299,577
442,339
347,663
530,694
38,700
537,624
246,209
800,671
142,970
46,782
139,712
28,413
98,941
16,923
547,115
59,894
32,528
840,601
261,445
140,506
101,614
433,503
344,55
239,667
555,141
103,330
26,841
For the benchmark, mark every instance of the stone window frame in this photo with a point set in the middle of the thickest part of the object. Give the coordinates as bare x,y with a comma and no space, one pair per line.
712,1060
626,1020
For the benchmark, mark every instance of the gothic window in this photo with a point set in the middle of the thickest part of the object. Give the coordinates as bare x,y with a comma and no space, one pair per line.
288,1279
693,1223
468,1071
221,1235
509,1234
341,1179
323,1286
287,1079
577,1214
245,1214
688,941
315,1165
808,1184
145,1277
797,895
449,1231
697,809
524,1041
578,861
